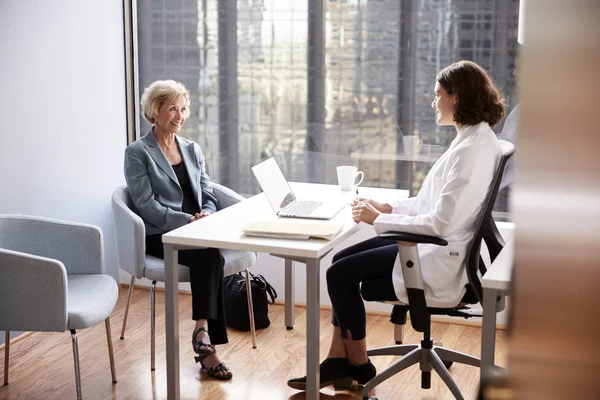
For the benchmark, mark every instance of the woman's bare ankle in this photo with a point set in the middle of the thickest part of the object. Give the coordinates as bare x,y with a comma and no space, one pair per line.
336,354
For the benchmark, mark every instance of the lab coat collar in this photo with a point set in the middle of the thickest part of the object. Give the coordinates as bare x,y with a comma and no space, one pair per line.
467,130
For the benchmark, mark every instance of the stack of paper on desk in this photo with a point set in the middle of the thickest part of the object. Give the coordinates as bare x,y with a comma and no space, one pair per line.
293,229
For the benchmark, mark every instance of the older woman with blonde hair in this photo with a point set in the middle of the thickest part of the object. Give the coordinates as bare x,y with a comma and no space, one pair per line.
167,180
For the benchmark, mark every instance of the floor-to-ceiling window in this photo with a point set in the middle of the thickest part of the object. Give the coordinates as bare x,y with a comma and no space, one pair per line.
320,83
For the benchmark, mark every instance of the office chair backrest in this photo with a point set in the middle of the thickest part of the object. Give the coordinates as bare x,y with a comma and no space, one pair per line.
487,229
130,233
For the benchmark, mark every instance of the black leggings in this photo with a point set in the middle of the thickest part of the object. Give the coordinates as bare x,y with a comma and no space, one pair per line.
372,259
206,282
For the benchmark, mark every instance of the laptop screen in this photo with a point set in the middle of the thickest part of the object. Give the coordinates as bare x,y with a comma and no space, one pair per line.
273,183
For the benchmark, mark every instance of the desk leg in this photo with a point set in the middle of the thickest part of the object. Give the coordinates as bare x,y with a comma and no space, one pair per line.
312,328
488,332
172,320
289,294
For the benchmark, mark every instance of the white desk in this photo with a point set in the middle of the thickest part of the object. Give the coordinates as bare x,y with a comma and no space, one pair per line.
495,283
224,230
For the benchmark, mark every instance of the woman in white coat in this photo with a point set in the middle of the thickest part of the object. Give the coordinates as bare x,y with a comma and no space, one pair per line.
447,205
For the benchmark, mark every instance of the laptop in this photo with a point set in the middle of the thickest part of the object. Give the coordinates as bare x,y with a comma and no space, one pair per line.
283,200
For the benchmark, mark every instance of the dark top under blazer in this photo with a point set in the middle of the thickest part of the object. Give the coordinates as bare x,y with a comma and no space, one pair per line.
153,185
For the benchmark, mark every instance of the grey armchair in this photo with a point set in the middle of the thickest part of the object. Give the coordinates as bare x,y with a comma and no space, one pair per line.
130,234
52,279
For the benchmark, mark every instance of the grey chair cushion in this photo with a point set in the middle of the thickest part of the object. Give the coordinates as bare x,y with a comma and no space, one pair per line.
235,261
155,270
91,299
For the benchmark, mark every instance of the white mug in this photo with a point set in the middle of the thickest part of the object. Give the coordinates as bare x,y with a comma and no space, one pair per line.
347,177
412,144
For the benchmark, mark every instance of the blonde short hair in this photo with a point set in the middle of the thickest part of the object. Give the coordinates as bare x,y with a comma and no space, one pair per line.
159,93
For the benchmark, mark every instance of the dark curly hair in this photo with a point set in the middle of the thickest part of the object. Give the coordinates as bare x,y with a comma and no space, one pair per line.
478,98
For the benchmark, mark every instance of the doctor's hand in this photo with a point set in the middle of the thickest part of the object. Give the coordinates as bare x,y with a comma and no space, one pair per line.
359,200
381,207
364,212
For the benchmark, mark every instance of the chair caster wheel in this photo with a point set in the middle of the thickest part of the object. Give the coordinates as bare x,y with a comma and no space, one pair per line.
398,341
447,364
289,328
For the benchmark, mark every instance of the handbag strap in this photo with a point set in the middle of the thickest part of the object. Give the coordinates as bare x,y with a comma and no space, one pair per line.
263,284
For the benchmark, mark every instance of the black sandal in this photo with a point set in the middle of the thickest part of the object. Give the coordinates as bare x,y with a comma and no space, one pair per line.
200,347
213,372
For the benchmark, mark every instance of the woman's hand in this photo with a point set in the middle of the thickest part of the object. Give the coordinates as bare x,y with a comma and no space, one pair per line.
381,207
365,212
205,213
200,215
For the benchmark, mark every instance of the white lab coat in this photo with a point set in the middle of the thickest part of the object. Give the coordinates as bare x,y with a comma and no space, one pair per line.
447,206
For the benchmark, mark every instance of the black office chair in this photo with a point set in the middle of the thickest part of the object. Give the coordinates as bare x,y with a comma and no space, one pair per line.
427,354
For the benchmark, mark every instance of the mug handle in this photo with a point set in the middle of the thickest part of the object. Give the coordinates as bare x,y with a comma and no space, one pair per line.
362,176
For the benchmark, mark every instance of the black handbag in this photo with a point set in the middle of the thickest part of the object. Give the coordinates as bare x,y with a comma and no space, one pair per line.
236,301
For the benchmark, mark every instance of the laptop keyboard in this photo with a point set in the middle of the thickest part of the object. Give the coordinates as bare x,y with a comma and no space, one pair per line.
302,208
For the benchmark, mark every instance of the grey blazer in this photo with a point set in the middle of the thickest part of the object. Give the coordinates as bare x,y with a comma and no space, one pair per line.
154,187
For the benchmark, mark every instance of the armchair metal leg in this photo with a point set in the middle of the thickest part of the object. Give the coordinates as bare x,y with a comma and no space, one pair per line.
438,365
456,356
76,362
127,306
250,308
152,323
111,355
392,350
411,358
6,356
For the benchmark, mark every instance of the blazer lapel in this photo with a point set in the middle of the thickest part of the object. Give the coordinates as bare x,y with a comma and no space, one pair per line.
158,156
190,162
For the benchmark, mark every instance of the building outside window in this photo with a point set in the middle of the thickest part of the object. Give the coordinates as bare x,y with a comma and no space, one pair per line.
247,71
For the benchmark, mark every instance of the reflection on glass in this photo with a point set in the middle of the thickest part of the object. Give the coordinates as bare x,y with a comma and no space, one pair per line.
381,59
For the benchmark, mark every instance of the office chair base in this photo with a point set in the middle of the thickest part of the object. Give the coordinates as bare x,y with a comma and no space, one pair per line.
429,358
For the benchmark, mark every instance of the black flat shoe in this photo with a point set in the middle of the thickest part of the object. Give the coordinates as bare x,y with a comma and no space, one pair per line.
332,371
364,373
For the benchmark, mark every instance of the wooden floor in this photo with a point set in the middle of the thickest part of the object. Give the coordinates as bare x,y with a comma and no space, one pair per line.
42,363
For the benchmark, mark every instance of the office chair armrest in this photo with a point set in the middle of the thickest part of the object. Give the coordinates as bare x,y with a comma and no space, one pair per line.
33,293
412,274
413,238
225,196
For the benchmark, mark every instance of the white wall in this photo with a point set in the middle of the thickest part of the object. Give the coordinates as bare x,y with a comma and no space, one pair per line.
62,110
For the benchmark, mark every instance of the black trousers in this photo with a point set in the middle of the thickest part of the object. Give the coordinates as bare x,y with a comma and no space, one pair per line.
370,260
206,281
